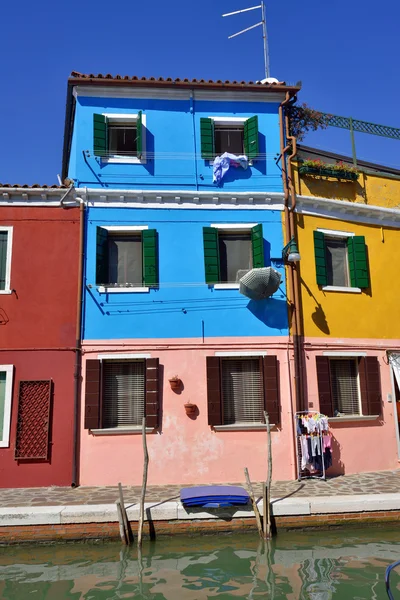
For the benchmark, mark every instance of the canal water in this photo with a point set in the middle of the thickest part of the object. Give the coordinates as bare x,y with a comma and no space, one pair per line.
316,565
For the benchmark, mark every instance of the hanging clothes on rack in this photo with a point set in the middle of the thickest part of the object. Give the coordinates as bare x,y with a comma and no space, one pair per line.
314,448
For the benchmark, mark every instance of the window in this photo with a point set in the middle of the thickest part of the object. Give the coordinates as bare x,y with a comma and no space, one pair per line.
123,401
240,388
119,391
230,251
242,391
6,377
341,261
349,386
223,134
126,258
5,259
345,388
119,138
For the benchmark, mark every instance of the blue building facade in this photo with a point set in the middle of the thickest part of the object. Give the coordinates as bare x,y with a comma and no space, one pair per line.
165,248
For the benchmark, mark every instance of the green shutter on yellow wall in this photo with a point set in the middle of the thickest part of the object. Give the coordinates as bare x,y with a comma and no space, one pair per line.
320,258
257,245
101,256
358,264
99,135
150,257
207,138
139,135
251,137
211,254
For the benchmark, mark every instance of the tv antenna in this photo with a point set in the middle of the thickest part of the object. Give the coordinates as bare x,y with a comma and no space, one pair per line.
263,23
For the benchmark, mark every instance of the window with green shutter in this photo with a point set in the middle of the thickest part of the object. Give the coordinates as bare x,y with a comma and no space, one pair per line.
236,137
119,137
126,259
229,254
340,260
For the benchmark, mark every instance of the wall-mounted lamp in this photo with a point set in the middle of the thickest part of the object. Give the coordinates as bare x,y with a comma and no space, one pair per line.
290,252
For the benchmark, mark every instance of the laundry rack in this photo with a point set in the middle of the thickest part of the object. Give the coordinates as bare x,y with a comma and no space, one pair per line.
318,435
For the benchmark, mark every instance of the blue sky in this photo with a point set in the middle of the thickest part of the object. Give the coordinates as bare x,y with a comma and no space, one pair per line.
346,55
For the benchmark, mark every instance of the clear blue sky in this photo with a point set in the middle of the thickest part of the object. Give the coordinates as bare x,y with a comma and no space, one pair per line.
346,54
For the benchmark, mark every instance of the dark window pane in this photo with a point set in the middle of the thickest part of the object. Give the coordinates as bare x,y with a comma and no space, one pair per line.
125,260
228,139
122,139
344,376
123,393
336,261
234,255
242,391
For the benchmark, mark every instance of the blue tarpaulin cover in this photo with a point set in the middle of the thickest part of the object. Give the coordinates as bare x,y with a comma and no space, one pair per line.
214,496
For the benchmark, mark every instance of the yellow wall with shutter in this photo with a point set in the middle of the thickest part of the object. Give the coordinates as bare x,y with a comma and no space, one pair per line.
374,190
375,313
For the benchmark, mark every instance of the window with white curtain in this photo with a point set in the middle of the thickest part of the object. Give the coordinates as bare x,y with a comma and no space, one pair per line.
235,255
345,386
242,391
337,264
125,259
123,394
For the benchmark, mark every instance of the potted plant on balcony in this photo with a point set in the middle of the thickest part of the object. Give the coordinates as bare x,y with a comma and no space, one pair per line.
175,382
339,170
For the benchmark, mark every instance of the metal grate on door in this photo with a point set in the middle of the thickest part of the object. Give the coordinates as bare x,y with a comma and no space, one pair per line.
33,425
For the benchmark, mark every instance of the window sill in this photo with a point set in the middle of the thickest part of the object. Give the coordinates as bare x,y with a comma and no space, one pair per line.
120,431
242,427
127,160
6,292
226,286
122,290
353,418
339,288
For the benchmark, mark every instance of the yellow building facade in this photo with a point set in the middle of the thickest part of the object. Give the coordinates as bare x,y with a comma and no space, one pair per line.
348,234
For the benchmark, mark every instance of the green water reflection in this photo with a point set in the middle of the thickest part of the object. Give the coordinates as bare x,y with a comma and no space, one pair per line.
315,566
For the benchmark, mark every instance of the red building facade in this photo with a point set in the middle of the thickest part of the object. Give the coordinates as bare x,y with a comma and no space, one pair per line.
39,280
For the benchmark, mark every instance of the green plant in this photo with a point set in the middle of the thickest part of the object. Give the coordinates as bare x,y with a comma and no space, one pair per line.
338,166
303,119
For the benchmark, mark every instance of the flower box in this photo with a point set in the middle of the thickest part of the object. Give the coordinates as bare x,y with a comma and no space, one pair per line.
326,172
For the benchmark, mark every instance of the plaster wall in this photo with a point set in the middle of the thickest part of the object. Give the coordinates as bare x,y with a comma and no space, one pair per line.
183,305
374,313
358,446
173,145
186,450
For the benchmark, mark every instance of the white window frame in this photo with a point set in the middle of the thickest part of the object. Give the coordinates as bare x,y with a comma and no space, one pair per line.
103,289
133,160
7,289
229,228
9,370
339,288
230,121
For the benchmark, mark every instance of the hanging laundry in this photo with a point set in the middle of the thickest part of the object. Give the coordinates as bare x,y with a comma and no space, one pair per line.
222,163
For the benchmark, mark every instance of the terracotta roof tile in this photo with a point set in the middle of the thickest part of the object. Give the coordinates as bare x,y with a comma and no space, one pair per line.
179,82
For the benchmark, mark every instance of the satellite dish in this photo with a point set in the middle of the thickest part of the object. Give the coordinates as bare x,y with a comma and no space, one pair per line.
259,284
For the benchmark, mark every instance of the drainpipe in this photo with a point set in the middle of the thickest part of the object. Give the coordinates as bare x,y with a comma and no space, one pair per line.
78,346
295,397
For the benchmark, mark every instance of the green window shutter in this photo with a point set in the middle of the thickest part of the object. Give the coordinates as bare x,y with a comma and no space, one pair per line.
99,135
251,137
3,258
320,258
207,138
150,257
257,246
139,135
358,264
101,256
211,254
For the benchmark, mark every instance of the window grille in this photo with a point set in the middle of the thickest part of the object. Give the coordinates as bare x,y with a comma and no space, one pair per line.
123,393
345,389
33,425
242,391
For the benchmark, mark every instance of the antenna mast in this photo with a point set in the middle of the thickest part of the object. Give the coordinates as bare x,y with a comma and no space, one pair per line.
263,23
